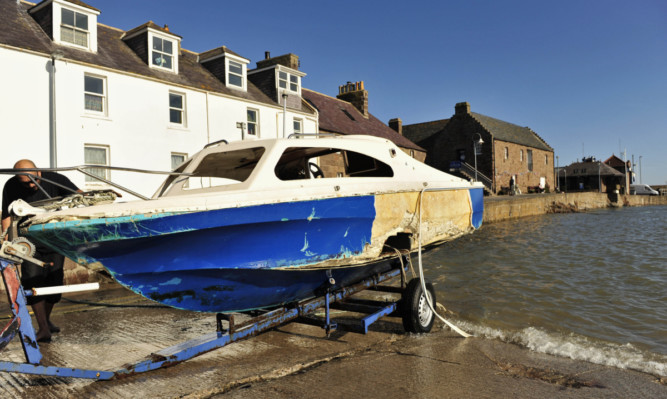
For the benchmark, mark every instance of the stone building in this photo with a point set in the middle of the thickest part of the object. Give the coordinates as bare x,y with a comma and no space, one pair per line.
625,169
507,151
589,175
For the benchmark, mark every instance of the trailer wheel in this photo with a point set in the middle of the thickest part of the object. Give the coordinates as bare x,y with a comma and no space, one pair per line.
417,316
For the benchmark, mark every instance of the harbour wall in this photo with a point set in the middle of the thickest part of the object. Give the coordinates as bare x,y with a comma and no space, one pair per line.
501,208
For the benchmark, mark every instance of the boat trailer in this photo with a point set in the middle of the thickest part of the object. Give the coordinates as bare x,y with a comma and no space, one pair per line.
417,317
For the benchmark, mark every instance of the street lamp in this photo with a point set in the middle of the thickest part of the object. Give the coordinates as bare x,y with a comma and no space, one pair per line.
599,181
557,178
565,171
477,147
640,170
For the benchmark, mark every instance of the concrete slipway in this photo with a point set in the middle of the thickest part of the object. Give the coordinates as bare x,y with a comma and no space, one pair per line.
297,360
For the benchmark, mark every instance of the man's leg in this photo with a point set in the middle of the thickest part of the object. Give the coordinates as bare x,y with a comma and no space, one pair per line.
48,307
44,332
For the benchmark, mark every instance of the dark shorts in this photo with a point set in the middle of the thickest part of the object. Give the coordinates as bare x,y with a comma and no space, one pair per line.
36,276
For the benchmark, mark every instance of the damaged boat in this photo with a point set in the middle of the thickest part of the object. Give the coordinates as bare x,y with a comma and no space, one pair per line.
262,223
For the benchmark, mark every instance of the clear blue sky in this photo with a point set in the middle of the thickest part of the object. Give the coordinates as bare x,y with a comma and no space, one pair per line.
589,76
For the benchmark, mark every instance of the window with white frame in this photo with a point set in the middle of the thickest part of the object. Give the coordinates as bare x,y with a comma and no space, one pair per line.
177,108
288,81
298,125
507,153
235,74
521,156
253,121
94,93
162,53
96,155
74,27
177,159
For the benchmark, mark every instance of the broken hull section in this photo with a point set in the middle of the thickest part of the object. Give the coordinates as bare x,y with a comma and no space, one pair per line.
258,256
233,290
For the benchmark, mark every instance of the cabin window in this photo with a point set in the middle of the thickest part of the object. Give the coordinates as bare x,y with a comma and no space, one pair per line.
94,93
253,117
313,162
74,28
96,155
177,108
217,169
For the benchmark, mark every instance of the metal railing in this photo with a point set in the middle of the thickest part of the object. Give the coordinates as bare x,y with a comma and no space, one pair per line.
82,169
469,171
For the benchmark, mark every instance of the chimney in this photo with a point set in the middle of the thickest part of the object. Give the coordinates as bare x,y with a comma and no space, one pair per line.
166,27
355,94
462,108
397,125
289,60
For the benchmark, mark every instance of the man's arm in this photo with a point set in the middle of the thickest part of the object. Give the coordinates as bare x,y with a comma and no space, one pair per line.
6,222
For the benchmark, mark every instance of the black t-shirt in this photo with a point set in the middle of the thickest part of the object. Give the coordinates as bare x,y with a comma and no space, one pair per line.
15,190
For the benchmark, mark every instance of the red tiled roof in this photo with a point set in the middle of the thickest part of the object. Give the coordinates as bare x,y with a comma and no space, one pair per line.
338,116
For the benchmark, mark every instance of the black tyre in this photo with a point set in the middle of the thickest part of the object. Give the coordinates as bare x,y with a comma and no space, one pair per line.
417,315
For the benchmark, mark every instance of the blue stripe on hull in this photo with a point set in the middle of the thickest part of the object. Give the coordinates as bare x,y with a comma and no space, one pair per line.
477,200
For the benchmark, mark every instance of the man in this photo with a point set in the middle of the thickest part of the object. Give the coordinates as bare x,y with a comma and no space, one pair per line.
22,187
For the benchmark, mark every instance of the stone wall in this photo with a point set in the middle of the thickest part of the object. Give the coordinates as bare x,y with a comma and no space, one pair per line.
501,208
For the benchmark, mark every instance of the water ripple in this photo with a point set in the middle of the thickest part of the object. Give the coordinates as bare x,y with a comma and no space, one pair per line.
589,284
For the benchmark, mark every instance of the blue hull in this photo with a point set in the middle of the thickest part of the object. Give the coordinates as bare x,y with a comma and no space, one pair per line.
225,260
221,260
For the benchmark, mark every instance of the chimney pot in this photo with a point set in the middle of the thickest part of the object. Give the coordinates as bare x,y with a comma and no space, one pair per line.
166,27
396,124
462,108
267,55
355,94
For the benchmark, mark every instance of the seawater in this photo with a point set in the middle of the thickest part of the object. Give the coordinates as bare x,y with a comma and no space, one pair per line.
590,286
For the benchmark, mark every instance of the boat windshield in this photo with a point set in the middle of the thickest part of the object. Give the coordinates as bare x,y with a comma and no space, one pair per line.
214,170
319,162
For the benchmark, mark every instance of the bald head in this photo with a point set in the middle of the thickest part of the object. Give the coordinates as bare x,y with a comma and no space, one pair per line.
24,164
25,180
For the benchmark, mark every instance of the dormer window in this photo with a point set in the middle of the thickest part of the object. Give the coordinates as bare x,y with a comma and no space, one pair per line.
74,28
235,74
68,23
288,81
155,45
162,53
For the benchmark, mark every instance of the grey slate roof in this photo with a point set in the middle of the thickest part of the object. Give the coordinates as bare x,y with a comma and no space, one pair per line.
338,116
20,30
419,132
511,133
591,169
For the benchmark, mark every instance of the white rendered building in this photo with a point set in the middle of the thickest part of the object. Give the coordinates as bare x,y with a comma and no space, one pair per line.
77,92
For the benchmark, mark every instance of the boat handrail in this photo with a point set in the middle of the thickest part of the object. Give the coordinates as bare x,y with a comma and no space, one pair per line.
81,169
223,141
298,135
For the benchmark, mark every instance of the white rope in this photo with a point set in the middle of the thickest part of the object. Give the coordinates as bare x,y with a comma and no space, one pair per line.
421,275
